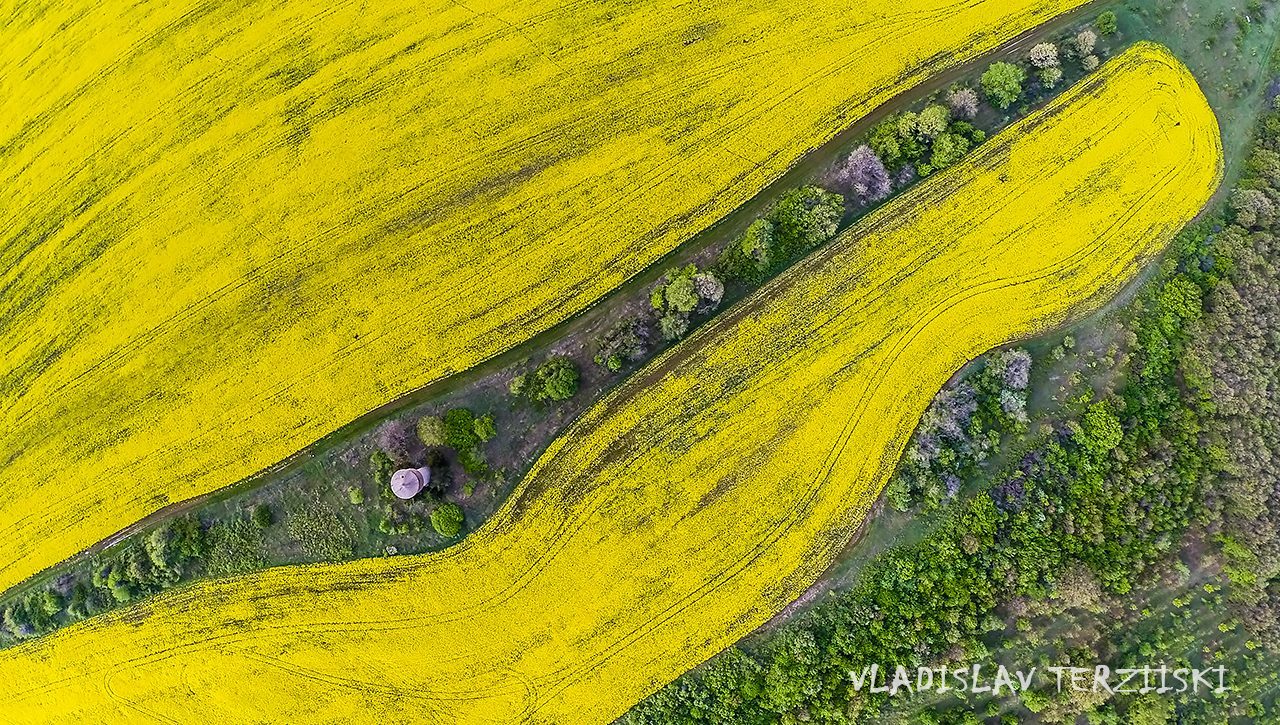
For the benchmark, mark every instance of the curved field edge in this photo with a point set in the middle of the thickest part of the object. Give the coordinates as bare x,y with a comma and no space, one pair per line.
704,494
286,225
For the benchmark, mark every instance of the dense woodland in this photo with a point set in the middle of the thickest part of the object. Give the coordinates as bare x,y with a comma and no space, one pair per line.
1183,447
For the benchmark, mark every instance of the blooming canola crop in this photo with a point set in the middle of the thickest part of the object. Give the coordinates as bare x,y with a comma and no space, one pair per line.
229,229
697,499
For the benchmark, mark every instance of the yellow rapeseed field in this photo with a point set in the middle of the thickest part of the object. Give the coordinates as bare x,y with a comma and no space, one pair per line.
698,499
230,228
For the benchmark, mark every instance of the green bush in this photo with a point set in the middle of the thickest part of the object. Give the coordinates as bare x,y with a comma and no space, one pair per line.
804,218
355,495
1002,84
431,431
460,429
750,257
447,519
473,462
484,428
188,538
1106,23
556,379
262,515
382,467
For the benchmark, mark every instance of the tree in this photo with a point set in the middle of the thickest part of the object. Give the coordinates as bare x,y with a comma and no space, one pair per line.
1014,368
883,139
673,327
1077,587
48,602
709,288
675,292
460,429
188,538
1084,43
556,379
447,519
908,124
262,516
431,431
864,176
804,218
751,257
17,622
933,120
1044,55
1090,62
157,546
948,149
1150,710
484,428
1049,77
1100,430
1252,208
1106,23
1002,84
963,103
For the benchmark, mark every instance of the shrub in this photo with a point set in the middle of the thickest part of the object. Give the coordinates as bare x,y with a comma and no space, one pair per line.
627,340
555,379
235,548
1090,62
472,462
431,431
355,495
382,468
320,531
1002,84
460,429
484,428
447,519
1107,23
262,516
1049,77
518,384
188,539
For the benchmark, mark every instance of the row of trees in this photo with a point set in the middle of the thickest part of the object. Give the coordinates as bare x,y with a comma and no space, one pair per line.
144,566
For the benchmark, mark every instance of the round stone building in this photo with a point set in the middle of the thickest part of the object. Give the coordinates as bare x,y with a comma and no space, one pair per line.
407,482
